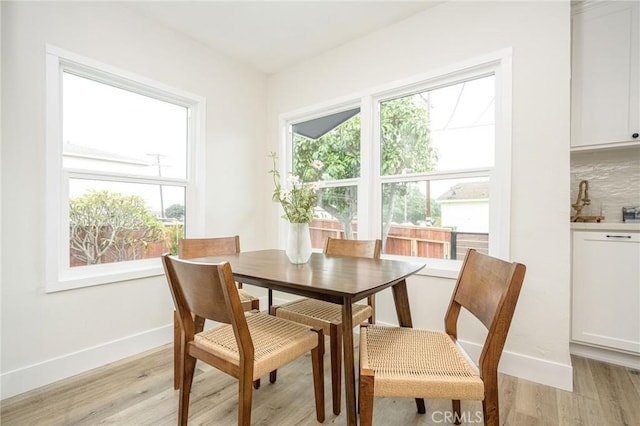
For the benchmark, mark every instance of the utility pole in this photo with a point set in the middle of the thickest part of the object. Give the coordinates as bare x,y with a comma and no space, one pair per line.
159,164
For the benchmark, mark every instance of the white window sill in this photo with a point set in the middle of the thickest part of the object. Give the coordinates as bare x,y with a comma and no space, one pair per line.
435,267
87,276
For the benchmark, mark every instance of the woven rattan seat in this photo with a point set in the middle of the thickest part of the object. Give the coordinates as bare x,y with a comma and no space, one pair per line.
412,363
409,362
245,345
321,314
328,316
249,301
276,342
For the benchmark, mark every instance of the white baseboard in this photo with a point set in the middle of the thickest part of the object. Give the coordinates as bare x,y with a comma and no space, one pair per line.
526,367
43,373
33,376
606,355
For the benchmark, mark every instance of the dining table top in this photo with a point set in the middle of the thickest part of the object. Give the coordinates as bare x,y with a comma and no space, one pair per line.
330,278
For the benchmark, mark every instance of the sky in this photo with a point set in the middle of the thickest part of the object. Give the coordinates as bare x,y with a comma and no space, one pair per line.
125,123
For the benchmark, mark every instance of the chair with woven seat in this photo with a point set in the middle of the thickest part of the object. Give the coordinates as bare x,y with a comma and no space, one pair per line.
246,345
328,316
190,248
411,363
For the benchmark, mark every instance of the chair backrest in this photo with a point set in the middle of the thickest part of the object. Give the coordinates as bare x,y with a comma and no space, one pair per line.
488,288
189,248
354,248
203,289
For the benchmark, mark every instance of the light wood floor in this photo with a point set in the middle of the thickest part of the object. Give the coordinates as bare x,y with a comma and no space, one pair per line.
139,391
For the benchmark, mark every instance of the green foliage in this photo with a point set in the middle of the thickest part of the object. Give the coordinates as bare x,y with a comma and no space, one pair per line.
411,207
338,150
111,227
405,140
405,148
175,211
176,231
299,201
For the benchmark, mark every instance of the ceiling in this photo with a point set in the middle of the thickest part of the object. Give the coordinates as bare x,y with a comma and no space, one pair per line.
272,35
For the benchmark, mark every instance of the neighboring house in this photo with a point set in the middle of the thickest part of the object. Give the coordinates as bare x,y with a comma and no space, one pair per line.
465,206
88,158
84,157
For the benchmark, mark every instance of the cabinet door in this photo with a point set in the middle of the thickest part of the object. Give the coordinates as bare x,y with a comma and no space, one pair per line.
605,74
606,289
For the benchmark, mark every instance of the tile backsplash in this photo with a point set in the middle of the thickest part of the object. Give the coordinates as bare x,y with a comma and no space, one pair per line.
614,180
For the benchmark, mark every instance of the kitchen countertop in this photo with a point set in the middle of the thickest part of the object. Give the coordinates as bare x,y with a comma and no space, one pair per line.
606,226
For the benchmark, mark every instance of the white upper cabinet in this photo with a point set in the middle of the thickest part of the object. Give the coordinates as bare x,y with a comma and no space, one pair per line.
605,85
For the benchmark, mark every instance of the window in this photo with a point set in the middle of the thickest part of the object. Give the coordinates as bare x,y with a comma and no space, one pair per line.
443,138
332,143
120,172
432,170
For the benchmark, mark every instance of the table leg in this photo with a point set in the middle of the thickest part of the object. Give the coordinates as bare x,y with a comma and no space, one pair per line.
401,300
349,367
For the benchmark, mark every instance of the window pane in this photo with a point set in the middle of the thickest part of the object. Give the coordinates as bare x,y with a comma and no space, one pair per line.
448,128
337,148
116,221
437,218
336,215
107,129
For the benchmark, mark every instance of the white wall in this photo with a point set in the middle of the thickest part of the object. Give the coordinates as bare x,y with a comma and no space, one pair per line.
49,336
450,33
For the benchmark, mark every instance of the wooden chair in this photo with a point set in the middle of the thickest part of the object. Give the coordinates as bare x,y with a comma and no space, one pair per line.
328,316
245,346
412,363
190,248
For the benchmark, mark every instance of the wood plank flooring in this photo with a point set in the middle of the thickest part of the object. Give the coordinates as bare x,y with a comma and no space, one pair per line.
139,391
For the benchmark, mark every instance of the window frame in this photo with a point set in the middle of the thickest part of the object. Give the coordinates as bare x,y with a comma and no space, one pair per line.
370,181
59,274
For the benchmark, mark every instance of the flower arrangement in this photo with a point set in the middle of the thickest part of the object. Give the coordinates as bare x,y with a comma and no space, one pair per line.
299,201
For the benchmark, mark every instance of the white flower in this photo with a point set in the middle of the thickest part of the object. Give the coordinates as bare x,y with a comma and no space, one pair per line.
293,179
298,201
317,164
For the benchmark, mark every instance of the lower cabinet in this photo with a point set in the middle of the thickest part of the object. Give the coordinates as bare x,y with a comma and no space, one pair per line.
606,289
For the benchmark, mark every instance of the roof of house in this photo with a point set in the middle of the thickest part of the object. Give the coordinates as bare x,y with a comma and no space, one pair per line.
81,151
467,191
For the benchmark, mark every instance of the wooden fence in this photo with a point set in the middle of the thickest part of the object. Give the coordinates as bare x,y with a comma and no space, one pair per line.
408,240
403,240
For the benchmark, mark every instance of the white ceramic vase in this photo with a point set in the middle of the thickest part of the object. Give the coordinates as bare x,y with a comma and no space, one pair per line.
298,243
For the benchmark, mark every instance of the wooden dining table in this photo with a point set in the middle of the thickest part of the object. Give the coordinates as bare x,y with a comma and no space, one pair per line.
337,279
